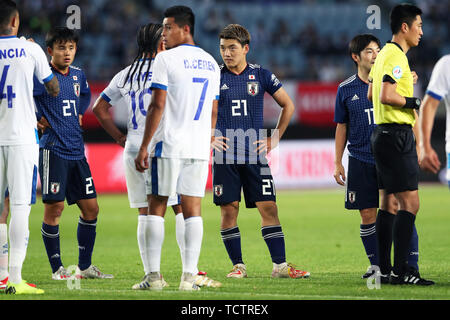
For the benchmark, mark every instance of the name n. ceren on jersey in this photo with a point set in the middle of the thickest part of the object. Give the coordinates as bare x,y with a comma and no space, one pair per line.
12,53
199,64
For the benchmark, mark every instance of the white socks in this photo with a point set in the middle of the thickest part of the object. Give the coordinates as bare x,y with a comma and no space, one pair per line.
142,243
150,236
179,233
18,240
155,239
3,251
193,236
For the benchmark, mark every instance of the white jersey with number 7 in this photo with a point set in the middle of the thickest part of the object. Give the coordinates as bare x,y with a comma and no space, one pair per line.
191,78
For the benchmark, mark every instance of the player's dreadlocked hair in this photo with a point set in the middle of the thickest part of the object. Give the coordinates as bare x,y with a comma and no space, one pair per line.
147,39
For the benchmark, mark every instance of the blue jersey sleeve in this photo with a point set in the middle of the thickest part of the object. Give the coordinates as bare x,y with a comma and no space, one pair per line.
85,95
340,111
270,82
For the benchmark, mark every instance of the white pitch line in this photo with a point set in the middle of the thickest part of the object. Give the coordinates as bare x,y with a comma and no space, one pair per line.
221,293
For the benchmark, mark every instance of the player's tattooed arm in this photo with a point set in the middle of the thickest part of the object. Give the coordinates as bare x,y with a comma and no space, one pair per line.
52,87
43,124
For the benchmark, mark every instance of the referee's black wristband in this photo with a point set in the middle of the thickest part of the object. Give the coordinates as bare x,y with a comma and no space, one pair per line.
412,103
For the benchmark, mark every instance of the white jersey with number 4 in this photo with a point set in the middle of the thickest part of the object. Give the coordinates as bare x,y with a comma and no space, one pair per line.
19,61
191,78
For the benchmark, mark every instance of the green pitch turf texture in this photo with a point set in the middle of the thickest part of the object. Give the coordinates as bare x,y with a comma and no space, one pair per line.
321,237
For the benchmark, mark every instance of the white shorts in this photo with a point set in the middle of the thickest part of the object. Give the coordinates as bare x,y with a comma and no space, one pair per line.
168,176
19,172
136,186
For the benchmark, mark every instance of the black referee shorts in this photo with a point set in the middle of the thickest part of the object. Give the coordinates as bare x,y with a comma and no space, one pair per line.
394,149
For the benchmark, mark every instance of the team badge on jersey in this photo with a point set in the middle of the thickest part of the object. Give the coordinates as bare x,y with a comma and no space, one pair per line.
218,190
397,72
76,88
54,187
352,196
252,88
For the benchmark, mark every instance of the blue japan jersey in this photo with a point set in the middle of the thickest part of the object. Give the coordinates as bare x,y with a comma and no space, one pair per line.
353,108
65,137
241,109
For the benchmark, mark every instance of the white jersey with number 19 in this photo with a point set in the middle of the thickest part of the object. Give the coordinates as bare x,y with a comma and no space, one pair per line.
19,61
191,78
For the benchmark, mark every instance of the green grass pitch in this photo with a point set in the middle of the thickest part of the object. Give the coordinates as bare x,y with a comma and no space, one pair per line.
321,237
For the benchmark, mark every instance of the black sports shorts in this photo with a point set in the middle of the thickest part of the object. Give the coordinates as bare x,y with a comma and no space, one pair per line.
362,186
394,149
255,179
64,179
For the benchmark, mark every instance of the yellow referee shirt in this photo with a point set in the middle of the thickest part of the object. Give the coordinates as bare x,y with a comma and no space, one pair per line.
392,61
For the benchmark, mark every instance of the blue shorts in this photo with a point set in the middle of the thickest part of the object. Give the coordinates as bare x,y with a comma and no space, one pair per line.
254,179
362,186
64,179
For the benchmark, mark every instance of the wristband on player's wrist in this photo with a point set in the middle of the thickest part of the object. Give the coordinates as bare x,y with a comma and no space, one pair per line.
412,103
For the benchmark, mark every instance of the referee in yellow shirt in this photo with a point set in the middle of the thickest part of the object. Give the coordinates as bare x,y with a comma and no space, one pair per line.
393,140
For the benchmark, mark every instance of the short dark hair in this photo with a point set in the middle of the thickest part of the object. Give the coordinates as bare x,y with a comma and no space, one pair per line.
8,8
361,41
182,15
403,13
236,32
60,35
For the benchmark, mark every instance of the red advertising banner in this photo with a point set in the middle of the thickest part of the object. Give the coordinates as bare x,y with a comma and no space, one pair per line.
315,103
294,164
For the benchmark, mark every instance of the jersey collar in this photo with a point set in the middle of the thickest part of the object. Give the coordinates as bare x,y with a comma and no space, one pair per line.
396,44
237,74
64,74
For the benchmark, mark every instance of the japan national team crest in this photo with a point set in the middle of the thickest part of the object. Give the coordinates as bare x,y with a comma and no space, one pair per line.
352,196
76,88
218,190
54,187
252,88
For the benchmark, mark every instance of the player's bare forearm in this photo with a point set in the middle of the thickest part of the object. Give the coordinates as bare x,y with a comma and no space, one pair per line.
52,87
215,110
340,140
101,111
426,120
389,95
429,159
287,110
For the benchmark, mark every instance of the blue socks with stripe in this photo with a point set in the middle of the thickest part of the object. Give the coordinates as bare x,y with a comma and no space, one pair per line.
231,238
86,238
368,236
50,235
274,238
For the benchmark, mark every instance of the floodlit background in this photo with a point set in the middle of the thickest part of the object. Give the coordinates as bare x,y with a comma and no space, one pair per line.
303,42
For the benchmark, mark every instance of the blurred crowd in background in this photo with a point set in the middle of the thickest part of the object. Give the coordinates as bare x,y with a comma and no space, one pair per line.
296,39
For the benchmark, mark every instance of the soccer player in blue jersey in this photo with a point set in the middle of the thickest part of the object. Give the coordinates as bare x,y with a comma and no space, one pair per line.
355,124
240,150
63,169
